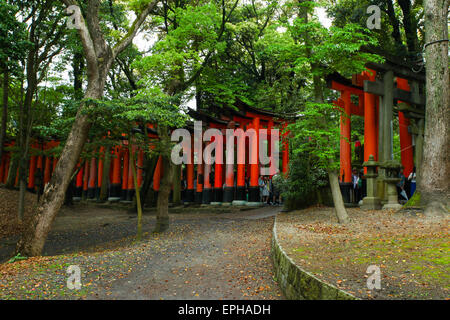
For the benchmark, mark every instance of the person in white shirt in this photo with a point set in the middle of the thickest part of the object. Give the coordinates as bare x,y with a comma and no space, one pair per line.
412,179
355,179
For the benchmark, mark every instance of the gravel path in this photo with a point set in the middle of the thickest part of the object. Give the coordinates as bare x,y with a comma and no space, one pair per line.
222,257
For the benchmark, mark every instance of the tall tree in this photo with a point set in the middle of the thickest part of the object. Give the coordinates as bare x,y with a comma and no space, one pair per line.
319,52
99,57
192,33
46,33
13,45
433,180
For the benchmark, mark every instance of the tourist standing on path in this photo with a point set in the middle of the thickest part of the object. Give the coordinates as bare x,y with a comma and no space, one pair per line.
265,192
412,178
355,180
275,190
401,185
261,188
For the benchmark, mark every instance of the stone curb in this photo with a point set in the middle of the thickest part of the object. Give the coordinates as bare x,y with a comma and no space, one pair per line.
298,284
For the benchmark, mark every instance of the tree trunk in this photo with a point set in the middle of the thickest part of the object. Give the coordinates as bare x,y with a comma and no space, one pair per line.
162,205
33,238
341,212
23,173
25,131
99,58
136,187
410,26
434,183
149,169
12,172
4,111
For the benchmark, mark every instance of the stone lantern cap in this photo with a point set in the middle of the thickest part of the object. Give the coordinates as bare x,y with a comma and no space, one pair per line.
392,168
371,162
391,165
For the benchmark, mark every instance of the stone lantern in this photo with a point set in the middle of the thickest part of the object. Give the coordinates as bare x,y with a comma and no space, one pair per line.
392,170
371,201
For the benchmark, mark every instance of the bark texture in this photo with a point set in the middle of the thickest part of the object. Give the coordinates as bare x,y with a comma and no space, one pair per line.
341,212
434,183
162,203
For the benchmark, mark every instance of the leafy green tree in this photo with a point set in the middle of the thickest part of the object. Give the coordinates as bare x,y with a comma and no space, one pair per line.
191,35
100,54
402,29
13,46
320,52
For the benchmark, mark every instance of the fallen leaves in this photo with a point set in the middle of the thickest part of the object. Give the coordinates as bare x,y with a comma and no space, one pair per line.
394,242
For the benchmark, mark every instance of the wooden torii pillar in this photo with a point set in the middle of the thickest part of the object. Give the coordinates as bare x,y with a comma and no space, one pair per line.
207,187
228,192
253,190
100,165
92,178
85,179
345,128
125,157
115,187
218,172
157,174
240,198
385,89
48,164
200,177
77,194
406,145
32,172
190,192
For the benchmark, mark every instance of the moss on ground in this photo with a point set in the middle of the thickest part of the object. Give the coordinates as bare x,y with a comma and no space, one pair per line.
414,201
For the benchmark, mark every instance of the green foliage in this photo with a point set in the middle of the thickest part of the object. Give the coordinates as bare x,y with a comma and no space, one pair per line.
180,53
344,12
334,49
317,133
13,37
305,180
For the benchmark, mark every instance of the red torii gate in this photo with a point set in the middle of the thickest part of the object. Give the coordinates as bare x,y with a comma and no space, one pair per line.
368,107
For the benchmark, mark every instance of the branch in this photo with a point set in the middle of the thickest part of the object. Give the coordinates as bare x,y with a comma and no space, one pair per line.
127,72
93,24
125,42
225,19
88,44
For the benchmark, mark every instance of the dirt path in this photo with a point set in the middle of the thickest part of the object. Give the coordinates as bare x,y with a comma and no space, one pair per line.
203,256
224,257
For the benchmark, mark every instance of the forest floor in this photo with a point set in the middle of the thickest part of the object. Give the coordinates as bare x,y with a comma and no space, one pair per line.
221,253
411,250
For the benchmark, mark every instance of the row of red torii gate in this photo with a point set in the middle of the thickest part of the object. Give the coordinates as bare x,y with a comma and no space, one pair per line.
202,183
378,94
